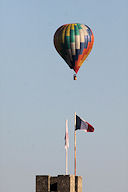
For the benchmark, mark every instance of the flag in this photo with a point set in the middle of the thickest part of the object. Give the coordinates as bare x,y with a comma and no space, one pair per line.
83,125
66,136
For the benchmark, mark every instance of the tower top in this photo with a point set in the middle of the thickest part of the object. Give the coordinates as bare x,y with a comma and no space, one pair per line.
60,183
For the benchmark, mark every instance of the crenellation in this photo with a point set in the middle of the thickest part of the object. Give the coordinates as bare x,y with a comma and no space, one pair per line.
60,183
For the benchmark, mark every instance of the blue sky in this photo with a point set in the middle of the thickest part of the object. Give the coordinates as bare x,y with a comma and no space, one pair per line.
38,94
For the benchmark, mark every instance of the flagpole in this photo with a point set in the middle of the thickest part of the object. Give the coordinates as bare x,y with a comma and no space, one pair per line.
75,146
66,162
66,152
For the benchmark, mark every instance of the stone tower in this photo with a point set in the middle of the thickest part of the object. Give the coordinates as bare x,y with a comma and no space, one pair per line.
60,183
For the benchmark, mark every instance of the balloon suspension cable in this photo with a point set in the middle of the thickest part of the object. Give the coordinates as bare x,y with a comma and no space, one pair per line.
74,77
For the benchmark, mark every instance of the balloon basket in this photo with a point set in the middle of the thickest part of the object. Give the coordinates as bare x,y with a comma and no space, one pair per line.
74,77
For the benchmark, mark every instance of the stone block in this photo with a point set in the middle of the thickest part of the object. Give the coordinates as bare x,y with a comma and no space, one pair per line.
43,183
78,183
66,183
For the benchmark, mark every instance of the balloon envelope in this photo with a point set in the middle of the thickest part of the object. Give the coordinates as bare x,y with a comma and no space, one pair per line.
74,43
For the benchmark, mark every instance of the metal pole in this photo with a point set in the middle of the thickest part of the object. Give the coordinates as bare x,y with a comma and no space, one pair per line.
75,144
66,150
66,162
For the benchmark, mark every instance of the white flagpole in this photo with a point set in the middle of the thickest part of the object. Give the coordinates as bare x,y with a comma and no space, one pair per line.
66,162
75,146
66,149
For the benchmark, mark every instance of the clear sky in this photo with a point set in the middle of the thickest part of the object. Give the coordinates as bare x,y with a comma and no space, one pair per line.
37,94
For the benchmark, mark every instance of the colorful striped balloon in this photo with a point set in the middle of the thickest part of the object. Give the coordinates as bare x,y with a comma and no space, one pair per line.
74,43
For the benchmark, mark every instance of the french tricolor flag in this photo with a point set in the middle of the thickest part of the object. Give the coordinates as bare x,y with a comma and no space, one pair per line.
83,125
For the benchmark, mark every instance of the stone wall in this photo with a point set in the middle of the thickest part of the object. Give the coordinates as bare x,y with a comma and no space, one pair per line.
78,184
66,183
61,183
43,183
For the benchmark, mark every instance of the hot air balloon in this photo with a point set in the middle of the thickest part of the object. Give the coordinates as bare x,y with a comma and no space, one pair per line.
74,43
